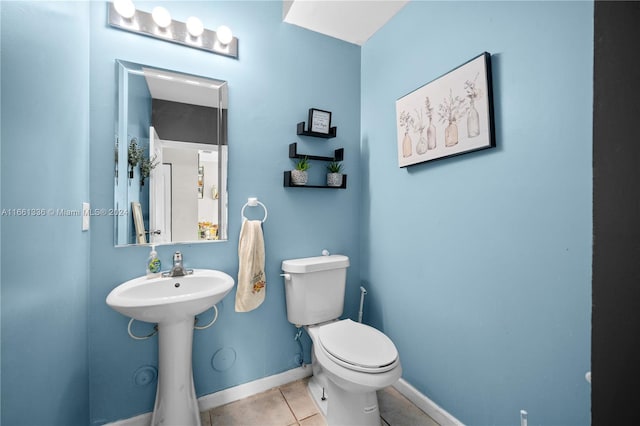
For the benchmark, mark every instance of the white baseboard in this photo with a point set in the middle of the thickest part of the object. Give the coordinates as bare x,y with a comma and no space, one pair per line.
245,390
437,413
235,393
141,420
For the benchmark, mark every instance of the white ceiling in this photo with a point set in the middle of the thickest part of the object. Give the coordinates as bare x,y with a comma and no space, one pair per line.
186,89
354,21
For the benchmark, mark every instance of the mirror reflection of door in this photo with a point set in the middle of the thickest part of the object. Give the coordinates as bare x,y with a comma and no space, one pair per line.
158,230
179,121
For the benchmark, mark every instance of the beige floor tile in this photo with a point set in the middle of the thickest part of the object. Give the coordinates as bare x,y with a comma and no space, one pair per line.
205,418
299,400
397,410
315,420
281,407
266,409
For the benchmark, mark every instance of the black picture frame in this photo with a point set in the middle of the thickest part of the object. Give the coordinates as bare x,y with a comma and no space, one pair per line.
319,121
451,115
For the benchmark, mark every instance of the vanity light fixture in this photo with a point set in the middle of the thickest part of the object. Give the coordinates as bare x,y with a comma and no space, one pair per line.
125,8
161,17
224,35
195,26
158,24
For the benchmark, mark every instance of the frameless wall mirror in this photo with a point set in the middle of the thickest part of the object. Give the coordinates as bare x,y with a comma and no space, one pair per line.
170,157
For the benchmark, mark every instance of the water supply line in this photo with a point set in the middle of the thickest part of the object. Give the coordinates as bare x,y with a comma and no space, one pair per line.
133,336
297,338
215,318
155,327
363,292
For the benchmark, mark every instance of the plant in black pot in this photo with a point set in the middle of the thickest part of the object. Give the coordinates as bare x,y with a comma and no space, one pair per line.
146,165
135,154
299,174
334,175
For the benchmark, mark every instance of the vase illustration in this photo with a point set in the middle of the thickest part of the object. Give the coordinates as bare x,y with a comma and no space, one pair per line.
473,121
451,134
421,146
431,136
406,146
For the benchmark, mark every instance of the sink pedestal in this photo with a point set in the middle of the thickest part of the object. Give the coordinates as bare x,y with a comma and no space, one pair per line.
176,402
172,303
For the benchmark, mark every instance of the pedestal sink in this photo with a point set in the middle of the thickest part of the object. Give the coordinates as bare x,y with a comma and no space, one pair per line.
173,303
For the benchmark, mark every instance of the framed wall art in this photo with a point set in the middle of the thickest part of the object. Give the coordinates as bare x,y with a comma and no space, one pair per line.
319,121
449,116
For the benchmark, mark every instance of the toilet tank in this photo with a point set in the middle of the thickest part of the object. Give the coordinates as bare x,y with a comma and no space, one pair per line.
314,288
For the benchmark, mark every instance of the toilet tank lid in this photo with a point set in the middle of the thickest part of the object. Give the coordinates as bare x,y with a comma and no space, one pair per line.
315,264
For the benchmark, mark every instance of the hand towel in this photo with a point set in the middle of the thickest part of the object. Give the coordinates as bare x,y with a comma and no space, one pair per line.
251,278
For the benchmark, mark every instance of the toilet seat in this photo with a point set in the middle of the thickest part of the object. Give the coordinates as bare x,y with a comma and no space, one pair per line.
358,346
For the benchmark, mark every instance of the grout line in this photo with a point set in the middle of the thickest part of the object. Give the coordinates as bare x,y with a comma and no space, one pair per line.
287,402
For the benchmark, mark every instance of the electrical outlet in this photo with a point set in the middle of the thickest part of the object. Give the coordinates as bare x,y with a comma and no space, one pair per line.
85,216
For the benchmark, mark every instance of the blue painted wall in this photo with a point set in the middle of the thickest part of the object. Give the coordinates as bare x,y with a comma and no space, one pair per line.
482,276
45,255
478,267
282,71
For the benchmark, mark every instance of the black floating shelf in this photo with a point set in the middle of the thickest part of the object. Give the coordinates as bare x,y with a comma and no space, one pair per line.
304,132
287,182
338,154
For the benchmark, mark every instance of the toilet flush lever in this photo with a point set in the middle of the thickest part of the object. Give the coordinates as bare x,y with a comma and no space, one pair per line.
287,277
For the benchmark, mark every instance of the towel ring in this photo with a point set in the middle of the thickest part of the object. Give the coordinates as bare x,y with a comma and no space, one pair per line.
252,202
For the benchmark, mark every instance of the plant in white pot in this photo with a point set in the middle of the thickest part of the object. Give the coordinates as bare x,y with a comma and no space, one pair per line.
299,174
334,177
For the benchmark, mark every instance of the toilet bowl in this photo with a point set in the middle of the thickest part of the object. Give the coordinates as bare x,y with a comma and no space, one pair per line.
350,360
357,360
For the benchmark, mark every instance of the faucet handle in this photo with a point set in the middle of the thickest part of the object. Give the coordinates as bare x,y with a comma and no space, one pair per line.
177,257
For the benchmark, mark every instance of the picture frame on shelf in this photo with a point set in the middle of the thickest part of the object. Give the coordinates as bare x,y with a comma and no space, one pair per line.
319,121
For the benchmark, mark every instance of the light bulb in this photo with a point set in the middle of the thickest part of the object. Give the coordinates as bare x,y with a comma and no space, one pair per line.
125,8
224,35
161,16
194,26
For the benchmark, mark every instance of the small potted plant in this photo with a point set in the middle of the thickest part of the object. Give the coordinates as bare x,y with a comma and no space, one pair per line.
334,177
135,154
299,174
146,165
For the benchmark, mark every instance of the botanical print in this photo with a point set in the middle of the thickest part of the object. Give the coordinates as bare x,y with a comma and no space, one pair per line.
432,140
463,103
450,110
473,93
406,122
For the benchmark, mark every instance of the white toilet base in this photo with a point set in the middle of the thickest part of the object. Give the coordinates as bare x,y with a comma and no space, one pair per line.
342,408
315,390
351,408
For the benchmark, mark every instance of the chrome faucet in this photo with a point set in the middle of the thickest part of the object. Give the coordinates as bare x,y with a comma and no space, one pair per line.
178,269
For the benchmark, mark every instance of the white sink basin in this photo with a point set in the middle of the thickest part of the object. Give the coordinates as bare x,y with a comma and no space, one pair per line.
172,298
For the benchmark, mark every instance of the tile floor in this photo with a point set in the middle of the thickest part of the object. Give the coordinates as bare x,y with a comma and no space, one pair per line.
291,404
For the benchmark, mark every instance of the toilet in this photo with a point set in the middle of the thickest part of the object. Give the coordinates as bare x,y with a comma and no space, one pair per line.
350,361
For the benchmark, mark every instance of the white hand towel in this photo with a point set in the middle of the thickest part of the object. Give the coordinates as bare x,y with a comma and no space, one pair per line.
251,278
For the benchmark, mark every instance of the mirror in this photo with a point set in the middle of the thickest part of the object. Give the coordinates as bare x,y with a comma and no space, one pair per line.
171,157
